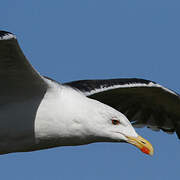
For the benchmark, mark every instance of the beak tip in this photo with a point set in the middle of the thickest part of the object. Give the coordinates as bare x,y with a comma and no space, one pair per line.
151,153
144,145
147,151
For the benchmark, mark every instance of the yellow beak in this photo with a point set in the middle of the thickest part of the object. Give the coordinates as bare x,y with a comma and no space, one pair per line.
144,145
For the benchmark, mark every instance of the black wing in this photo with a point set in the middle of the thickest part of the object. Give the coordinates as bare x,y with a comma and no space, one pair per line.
17,77
145,103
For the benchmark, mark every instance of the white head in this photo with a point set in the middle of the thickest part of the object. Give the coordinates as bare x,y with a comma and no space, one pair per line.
105,124
86,120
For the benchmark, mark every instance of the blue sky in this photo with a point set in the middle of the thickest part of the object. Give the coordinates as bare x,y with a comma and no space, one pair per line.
88,39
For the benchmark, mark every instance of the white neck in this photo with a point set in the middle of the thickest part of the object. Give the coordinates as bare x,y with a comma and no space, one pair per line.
58,121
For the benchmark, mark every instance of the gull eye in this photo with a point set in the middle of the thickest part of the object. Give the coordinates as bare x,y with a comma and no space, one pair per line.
115,122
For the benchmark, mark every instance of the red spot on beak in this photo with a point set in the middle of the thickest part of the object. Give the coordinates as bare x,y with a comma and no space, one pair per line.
145,150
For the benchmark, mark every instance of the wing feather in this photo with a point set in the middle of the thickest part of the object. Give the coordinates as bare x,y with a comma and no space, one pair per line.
18,78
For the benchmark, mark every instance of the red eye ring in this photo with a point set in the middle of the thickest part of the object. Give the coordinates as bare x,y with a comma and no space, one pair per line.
115,122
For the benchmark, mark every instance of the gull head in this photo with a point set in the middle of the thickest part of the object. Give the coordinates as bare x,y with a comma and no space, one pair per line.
109,125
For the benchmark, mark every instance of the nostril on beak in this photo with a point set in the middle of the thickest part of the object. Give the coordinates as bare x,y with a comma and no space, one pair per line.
143,142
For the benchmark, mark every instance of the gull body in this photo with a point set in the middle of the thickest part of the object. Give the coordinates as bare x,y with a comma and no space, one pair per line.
37,112
63,117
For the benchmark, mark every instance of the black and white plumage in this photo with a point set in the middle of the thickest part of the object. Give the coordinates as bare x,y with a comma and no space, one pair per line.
37,112
144,102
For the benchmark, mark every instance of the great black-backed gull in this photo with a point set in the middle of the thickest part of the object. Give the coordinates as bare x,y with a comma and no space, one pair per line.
37,112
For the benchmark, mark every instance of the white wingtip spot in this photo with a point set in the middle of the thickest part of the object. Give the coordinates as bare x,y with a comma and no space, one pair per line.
6,35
